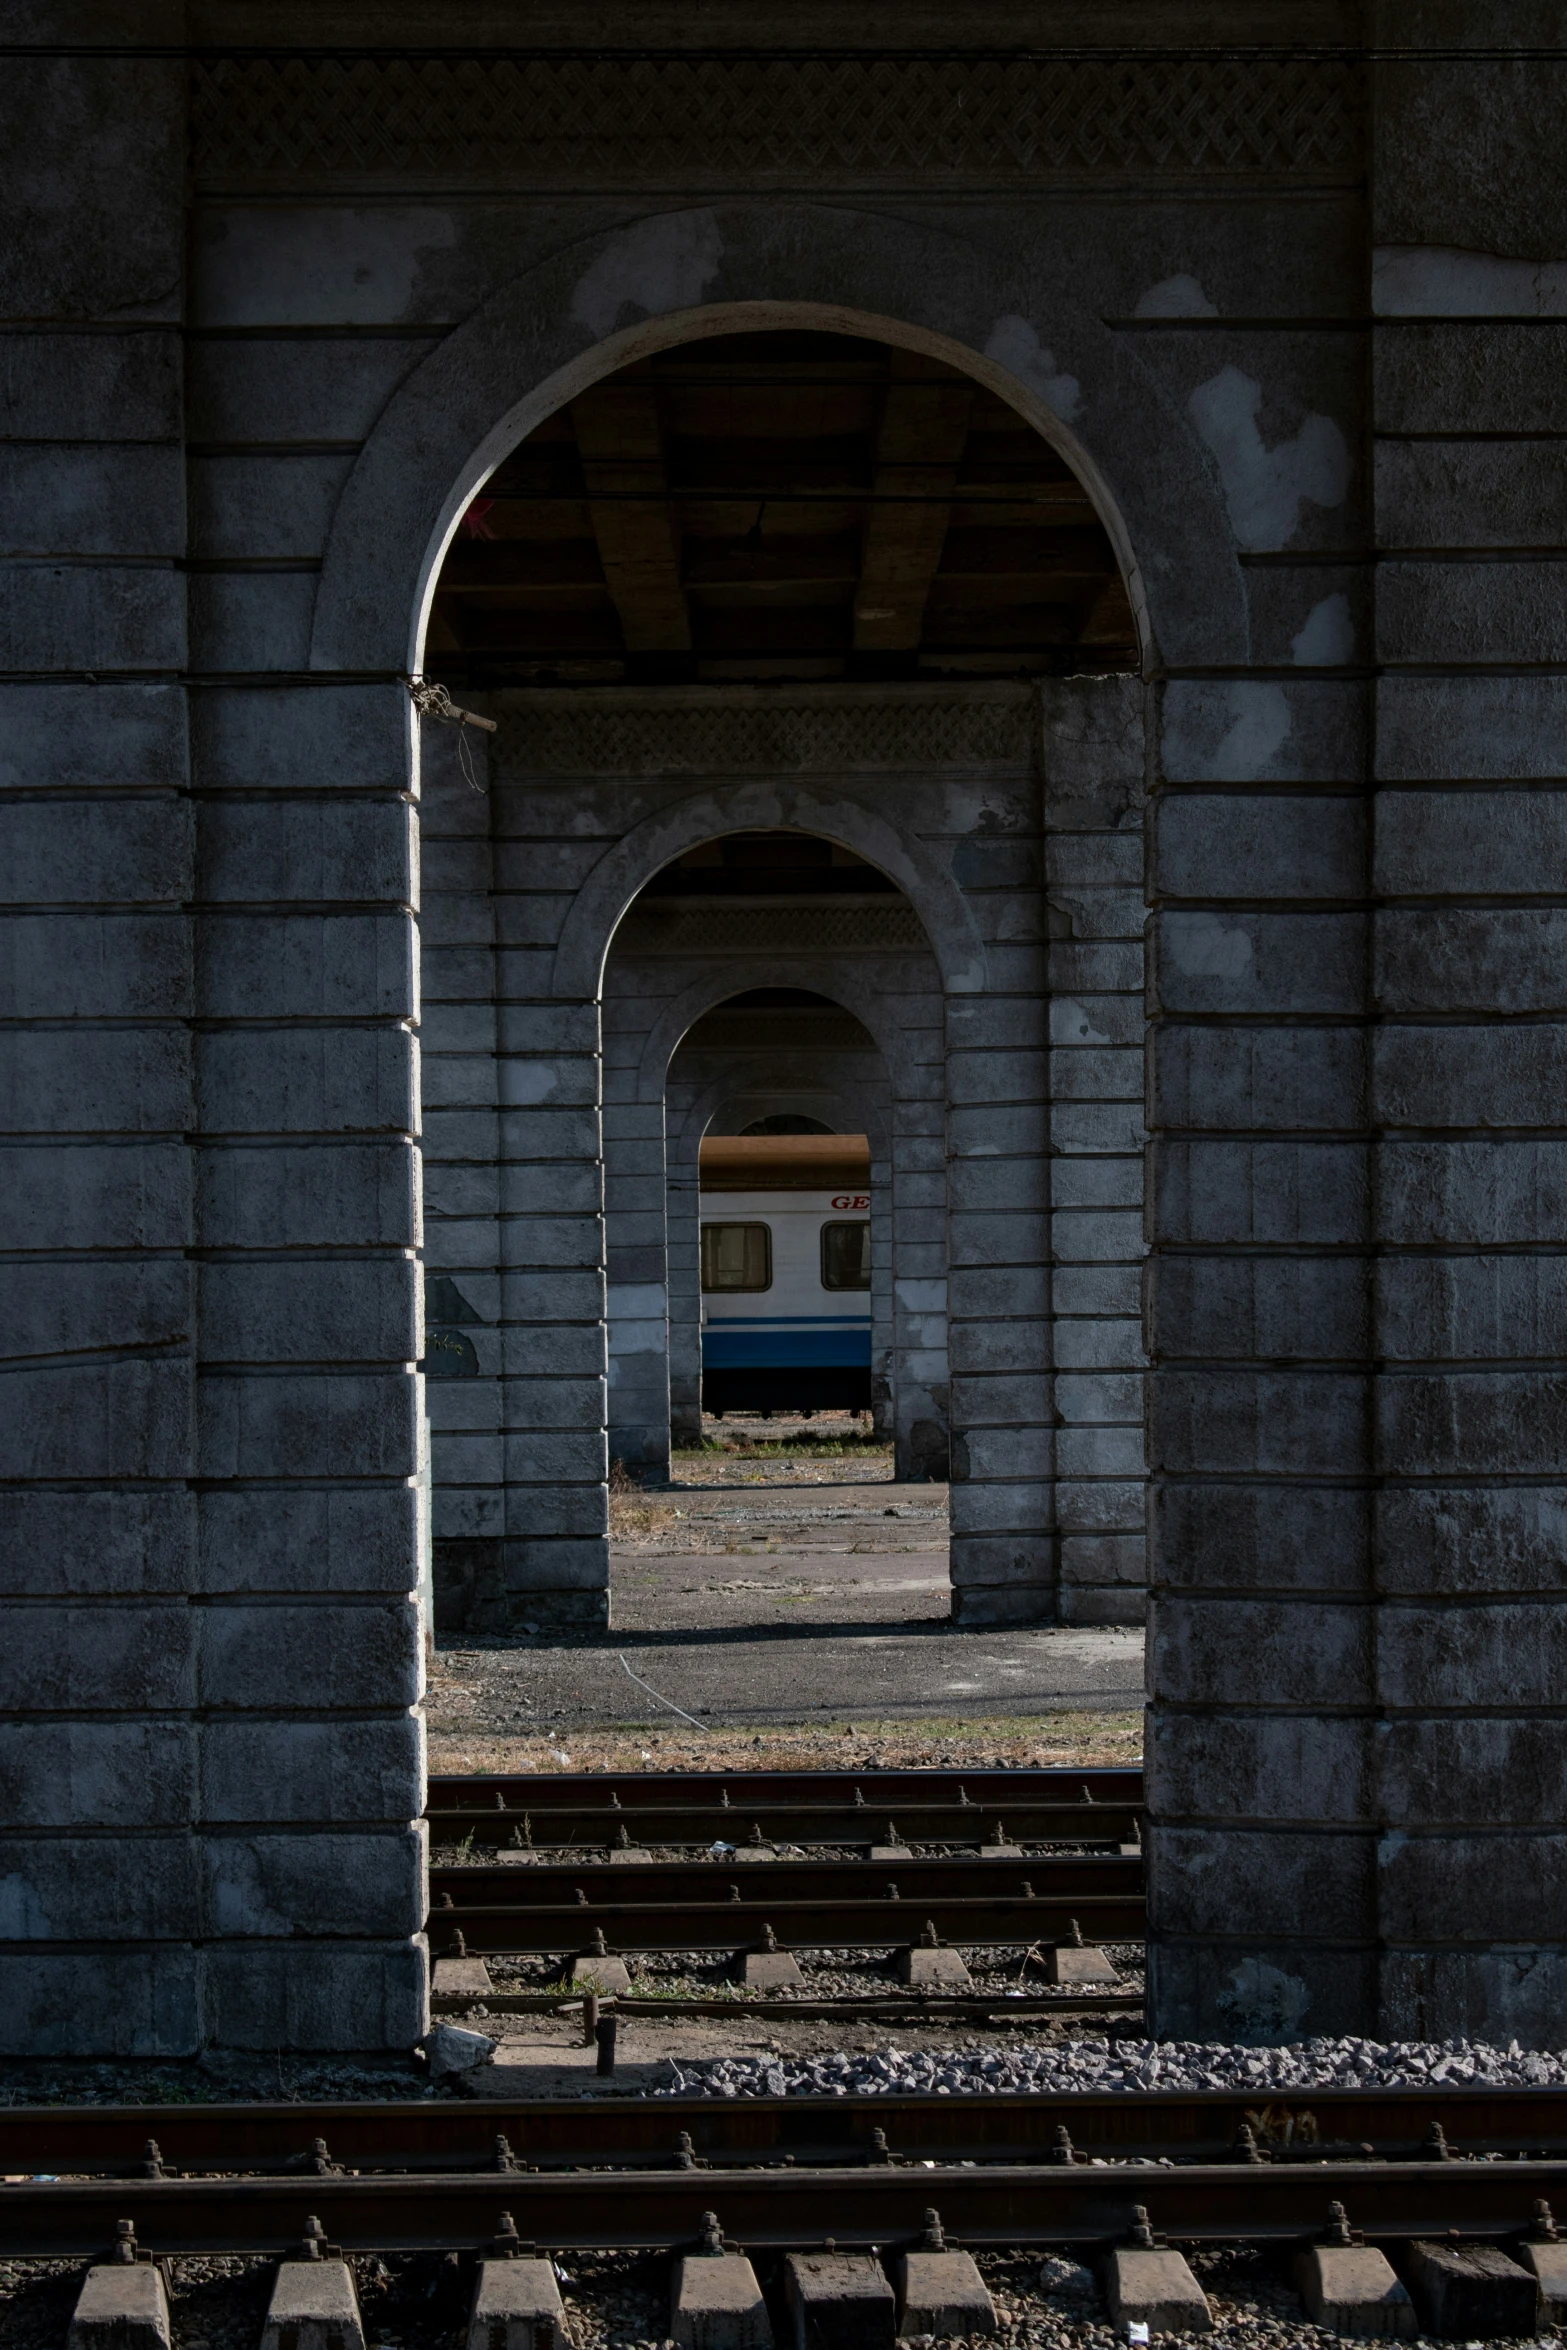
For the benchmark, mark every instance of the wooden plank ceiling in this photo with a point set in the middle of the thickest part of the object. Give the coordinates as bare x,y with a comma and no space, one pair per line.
779,506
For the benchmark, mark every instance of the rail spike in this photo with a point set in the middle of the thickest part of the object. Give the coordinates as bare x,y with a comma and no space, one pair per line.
311,2241
712,2243
152,2161
1245,2148
1542,2228
933,2236
1062,2151
124,2254
685,2152
880,2150
1338,2229
1434,2146
506,2244
503,2159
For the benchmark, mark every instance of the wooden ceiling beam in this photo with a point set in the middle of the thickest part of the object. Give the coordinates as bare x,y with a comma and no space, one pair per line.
919,443
621,444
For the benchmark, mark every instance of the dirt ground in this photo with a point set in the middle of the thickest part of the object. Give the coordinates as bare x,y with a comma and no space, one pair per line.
784,1603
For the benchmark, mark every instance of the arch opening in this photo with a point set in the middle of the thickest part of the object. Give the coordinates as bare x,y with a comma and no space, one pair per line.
729,760
779,505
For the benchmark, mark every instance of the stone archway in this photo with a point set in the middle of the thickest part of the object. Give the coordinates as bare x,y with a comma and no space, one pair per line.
677,276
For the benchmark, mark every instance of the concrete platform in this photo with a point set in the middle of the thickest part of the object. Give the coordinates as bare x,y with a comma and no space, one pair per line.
839,2301
1354,2289
924,1969
599,1970
122,2306
461,1978
509,2300
313,2307
1548,2263
766,1970
1081,1964
1156,2289
1470,2292
715,2303
942,2293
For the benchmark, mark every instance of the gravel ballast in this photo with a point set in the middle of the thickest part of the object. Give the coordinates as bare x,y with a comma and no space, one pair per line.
1133,2064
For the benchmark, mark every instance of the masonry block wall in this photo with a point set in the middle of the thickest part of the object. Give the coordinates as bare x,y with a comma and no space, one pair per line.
1357,1214
209,1516
581,786
257,341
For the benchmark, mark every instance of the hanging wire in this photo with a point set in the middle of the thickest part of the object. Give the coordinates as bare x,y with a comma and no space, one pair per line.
433,701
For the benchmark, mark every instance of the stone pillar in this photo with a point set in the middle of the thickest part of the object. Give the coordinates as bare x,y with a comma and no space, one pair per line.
552,1299
1468,1768
635,1208
1258,1427
100,1752
1092,741
1004,1563
462,1227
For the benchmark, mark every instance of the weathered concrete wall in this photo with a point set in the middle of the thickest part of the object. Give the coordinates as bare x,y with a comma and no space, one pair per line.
1356,1428
210,1487
209,1537
589,795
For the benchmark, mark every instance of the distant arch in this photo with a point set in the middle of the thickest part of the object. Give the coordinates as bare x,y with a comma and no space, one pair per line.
709,814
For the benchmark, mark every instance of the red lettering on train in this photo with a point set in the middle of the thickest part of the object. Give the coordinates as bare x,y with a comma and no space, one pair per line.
852,1199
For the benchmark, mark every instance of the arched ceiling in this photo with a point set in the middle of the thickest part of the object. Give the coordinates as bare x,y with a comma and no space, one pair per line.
779,506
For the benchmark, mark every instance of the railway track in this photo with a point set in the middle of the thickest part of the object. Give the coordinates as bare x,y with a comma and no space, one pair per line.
696,1809
824,1904
641,2173
980,1887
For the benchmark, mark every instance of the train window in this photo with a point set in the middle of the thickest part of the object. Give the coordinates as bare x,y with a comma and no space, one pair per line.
846,1256
737,1256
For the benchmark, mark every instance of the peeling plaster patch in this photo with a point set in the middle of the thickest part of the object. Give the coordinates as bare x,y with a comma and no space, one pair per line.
1072,1023
1266,2003
238,1898
1444,281
666,263
1205,946
1263,487
1175,297
1256,720
1328,636
524,1084
23,1917
1015,345
316,267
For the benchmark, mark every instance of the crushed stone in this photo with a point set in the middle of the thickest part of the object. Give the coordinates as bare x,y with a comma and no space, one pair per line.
1122,2063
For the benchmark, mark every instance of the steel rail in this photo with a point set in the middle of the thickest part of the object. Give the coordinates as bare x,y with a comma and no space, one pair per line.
995,2205
435,2135
647,1790
1035,1877
889,2007
966,1825
739,1923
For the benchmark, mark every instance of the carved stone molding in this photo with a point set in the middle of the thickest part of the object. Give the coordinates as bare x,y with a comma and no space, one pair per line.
582,121
569,736
771,930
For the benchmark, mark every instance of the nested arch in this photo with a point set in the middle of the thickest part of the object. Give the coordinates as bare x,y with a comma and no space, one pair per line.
623,870
674,277
842,982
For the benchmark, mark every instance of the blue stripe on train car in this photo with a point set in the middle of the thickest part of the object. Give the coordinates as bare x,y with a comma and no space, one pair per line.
831,1345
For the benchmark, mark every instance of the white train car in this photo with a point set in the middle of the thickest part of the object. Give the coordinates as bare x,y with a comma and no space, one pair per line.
786,1273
